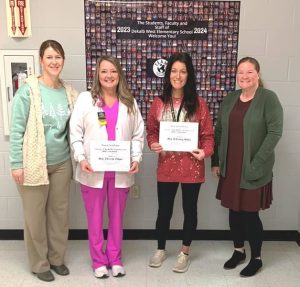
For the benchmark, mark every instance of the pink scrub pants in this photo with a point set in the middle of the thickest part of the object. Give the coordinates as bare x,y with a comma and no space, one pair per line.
94,199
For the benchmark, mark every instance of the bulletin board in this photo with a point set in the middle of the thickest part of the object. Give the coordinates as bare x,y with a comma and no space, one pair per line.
143,34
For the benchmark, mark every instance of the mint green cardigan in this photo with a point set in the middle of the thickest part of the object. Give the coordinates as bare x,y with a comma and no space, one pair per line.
262,130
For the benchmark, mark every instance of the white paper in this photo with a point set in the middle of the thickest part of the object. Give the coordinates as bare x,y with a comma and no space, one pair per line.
110,155
178,136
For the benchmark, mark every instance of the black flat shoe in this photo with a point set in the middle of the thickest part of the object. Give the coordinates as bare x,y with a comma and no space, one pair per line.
252,268
60,270
236,259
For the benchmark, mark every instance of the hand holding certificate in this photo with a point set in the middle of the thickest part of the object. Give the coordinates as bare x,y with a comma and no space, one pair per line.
178,136
110,155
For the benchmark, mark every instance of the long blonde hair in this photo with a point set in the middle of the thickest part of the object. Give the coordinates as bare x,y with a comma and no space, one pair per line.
123,92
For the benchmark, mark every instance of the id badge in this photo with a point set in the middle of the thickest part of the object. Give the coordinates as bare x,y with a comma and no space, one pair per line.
102,119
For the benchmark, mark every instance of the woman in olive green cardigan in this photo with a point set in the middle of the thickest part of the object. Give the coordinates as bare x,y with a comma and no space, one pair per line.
248,128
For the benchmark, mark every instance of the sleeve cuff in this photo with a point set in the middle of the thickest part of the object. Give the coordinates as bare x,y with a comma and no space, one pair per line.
80,157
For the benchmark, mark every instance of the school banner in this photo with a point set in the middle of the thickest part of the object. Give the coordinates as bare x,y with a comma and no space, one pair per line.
143,35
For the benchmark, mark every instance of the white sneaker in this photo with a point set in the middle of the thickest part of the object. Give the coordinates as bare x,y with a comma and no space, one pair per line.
182,263
158,258
118,271
101,272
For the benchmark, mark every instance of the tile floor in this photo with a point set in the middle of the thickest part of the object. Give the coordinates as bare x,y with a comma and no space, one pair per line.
281,266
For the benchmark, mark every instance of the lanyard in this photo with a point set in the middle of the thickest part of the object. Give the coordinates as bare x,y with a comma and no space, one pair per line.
173,111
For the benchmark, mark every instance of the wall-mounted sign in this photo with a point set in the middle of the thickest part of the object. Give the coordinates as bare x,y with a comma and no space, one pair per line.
18,18
161,29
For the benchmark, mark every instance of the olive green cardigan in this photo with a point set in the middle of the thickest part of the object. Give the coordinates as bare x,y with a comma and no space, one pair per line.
262,130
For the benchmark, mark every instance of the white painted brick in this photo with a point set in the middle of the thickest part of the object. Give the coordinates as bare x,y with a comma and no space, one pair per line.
77,218
148,165
6,164
11,223
3,207
59,34
290,38
7,186
274,68
2,164
288,92
270,15
74,68
269,30
246,40
253,17
296,18
4,140
14,208
290,142
80,86
294,73
1,117
291,114
288,164
287,207
59,14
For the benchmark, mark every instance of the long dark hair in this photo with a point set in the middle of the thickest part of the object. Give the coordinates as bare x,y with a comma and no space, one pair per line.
256,65
190,97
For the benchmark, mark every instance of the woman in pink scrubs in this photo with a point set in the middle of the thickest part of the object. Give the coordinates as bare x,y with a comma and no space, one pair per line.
107,112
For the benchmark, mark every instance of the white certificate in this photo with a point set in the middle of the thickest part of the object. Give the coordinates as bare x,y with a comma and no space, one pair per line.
178,136
110,155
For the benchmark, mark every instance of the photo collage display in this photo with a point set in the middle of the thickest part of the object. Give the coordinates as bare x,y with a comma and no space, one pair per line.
156,29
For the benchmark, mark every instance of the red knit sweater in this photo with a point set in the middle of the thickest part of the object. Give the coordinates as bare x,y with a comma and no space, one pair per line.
180,166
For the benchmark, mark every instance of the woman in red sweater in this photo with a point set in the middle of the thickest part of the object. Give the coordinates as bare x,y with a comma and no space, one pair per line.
179,103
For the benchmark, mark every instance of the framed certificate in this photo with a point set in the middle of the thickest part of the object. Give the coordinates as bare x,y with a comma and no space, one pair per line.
110,155
178,136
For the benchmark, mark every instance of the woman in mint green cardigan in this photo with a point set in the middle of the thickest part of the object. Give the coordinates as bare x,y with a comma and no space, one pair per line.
248,128
40,161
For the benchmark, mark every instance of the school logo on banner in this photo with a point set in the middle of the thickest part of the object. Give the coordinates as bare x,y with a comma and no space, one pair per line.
159,67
